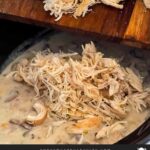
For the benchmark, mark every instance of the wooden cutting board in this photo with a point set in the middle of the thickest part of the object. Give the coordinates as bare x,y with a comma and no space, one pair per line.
130,25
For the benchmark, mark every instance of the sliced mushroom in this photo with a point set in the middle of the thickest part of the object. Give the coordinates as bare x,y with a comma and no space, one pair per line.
26,126
15,121
40,117
26,133
11,96
20,123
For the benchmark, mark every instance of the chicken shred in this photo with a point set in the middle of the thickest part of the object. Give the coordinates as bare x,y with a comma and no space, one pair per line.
85,125
107,130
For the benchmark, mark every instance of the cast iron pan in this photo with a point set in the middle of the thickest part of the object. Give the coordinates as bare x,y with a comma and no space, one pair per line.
140,136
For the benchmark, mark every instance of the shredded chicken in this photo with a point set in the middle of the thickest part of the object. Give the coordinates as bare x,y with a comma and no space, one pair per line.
85,125
147,3
76,7
83,88
107,130
134,80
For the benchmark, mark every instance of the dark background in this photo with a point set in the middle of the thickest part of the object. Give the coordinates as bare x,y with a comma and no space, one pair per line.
12,34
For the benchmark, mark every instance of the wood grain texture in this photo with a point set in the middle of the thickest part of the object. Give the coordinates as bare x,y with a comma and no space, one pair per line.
130,25
138,29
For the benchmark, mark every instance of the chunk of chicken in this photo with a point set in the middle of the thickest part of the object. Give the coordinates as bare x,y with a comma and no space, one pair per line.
82,8
113,86
134,80
147,3
85,125
91,91
107,130
114,3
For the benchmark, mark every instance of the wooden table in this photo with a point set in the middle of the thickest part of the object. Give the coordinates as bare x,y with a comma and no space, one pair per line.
130,25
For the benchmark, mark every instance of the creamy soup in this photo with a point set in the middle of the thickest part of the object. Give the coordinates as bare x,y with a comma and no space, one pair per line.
27,115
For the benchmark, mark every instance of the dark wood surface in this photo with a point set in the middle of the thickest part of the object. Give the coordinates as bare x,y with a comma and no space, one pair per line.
130,25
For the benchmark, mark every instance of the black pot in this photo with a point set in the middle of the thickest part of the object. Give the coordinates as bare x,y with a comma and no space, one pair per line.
140,136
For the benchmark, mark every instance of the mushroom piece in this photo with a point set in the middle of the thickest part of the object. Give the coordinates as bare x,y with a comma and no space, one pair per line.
40,117
11,96
20,123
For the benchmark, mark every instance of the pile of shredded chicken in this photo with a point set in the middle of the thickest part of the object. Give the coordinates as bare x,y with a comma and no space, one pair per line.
76,7
79,8
77,87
